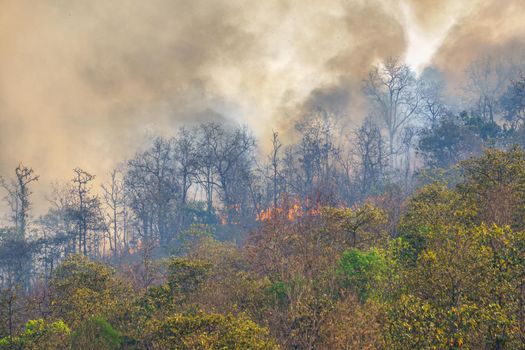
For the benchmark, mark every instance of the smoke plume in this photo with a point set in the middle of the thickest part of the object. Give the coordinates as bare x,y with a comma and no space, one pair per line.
82,82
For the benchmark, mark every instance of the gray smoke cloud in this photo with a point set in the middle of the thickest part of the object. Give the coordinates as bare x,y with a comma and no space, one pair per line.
82,82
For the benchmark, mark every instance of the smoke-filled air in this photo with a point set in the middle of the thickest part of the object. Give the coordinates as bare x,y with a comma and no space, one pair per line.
277,174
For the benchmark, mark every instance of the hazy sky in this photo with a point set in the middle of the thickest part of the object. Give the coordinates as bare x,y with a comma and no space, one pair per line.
83,81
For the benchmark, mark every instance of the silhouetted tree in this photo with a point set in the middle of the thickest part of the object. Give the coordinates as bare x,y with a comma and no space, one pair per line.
391,88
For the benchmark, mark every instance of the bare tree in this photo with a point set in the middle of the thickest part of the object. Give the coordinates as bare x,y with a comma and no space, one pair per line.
274,162
59,226
291,178
348,164
513,101
407,140
317,155
114,195
186,166
371,155
18,196
82,182
17,250
432,107
225,166
487,78
391,90
153,189
233,165
208,139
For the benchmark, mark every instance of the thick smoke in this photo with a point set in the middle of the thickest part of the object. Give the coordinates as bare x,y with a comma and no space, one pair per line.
492,28
83,82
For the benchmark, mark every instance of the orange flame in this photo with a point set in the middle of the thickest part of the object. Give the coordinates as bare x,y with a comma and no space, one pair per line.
290,213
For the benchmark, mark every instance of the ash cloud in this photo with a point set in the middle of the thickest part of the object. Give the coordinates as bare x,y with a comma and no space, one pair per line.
82,82
491,28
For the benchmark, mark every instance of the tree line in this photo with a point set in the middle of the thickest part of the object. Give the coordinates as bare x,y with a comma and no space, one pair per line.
345,238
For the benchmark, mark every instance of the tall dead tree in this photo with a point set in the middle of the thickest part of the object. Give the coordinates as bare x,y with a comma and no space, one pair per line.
18,196
224,167
208,138
394,98
114,196
186,162
432,107
407,141
153,188
274,162
317,154
233,156
82,181
371,155
487,79
16,248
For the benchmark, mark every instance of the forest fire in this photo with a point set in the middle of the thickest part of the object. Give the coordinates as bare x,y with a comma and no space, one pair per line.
264,175
230,215
290,212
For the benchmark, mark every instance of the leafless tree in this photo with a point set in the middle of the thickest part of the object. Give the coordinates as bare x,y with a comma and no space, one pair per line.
317,154
208,139
114,195
432,107
394,97
18,250
233,165
186,160
274,163
153,189
513,102
407,140
487,78
371,155
225,166
86,208
18,196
